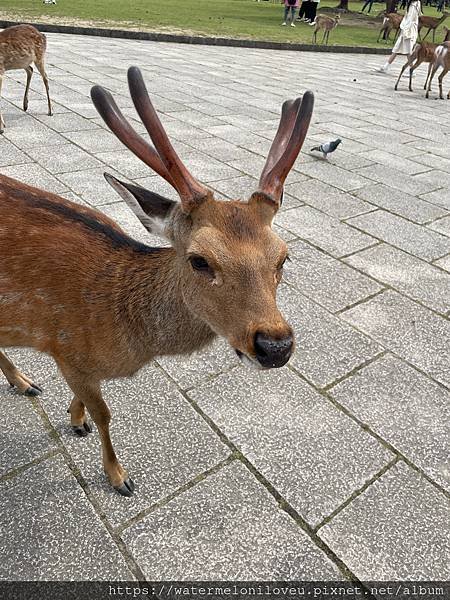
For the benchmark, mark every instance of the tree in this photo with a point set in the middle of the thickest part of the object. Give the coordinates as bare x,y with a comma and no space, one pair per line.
391,6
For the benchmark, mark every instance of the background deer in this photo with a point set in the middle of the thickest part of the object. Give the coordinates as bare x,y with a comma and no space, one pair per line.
432,23
327,24
391,21
20,46
422,53
74,286
441,59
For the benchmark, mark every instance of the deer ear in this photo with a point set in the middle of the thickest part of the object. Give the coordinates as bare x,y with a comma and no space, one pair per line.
150,208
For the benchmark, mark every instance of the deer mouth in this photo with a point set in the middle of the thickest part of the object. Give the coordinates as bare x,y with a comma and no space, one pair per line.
248,361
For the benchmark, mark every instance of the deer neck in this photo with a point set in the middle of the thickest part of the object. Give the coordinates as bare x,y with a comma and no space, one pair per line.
150,304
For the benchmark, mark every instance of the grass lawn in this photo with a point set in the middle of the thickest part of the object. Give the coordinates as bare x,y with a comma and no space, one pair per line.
223,18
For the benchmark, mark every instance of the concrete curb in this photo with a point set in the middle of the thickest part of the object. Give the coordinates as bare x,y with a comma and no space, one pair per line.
187,39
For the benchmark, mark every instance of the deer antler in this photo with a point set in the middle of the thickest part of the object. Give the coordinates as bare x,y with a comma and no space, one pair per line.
113,117
163,159
288,141
191,192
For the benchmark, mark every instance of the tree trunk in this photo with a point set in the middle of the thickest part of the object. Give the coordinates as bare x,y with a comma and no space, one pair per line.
343,5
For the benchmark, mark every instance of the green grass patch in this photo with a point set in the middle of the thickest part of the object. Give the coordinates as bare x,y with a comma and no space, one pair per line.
222,18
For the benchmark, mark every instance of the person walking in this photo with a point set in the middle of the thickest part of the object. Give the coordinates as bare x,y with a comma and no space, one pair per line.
368,4
290,8
408,34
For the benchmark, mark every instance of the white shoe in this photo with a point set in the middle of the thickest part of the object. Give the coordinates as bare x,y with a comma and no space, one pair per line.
283,24
383,70
292,25
312,23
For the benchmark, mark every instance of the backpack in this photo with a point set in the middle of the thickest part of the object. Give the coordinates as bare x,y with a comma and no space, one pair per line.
292,2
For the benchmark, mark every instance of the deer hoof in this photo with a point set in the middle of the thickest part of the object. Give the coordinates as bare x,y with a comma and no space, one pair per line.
33,390
126,489
82,430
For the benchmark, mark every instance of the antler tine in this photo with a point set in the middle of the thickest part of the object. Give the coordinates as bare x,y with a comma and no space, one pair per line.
288,114
191,192
115,120
276,171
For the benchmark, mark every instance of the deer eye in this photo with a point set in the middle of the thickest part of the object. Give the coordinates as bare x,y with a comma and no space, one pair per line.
198,263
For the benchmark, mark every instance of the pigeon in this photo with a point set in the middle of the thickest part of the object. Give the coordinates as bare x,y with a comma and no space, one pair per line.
327,148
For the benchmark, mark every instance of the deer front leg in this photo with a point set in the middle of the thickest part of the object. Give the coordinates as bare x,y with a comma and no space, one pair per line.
89,394
2,122
18,379
29,71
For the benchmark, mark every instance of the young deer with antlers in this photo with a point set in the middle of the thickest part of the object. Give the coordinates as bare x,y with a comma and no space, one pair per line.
74,286
20,46
422,53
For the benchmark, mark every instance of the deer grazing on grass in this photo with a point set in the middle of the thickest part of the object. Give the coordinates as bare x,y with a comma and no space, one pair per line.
391,21
441,59
422,53
20,46
74,286
432,23
327,24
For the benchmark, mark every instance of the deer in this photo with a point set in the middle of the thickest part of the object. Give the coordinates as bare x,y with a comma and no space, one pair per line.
327,24
432,23
20,46
390,21
74,286
422,53
441,59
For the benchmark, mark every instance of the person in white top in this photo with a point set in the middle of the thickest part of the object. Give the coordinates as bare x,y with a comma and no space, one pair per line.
407,39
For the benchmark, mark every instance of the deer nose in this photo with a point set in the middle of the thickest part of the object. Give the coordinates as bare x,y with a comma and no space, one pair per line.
271,352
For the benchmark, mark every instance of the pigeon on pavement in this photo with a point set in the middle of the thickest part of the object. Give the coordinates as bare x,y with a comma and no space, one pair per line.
327,148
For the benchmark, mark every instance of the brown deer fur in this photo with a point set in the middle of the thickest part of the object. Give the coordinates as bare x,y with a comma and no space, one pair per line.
20,46
422,53
431,23
327,24
74,286
390,21
441,59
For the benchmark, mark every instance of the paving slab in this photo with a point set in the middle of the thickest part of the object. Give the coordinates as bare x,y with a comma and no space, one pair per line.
323,231
398,529
403,234
405,408
228,527
152,430
326,347
24,436
310,441
417,279
401,204
328,199
36,176
326,280
50,530
411,331
441,226
63,158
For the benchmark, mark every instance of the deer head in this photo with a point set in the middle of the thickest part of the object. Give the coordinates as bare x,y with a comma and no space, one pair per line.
228,260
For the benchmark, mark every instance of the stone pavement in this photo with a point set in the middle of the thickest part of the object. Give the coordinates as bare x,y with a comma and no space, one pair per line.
336,466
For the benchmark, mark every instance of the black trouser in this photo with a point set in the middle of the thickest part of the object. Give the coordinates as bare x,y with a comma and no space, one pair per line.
312,11
304,9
